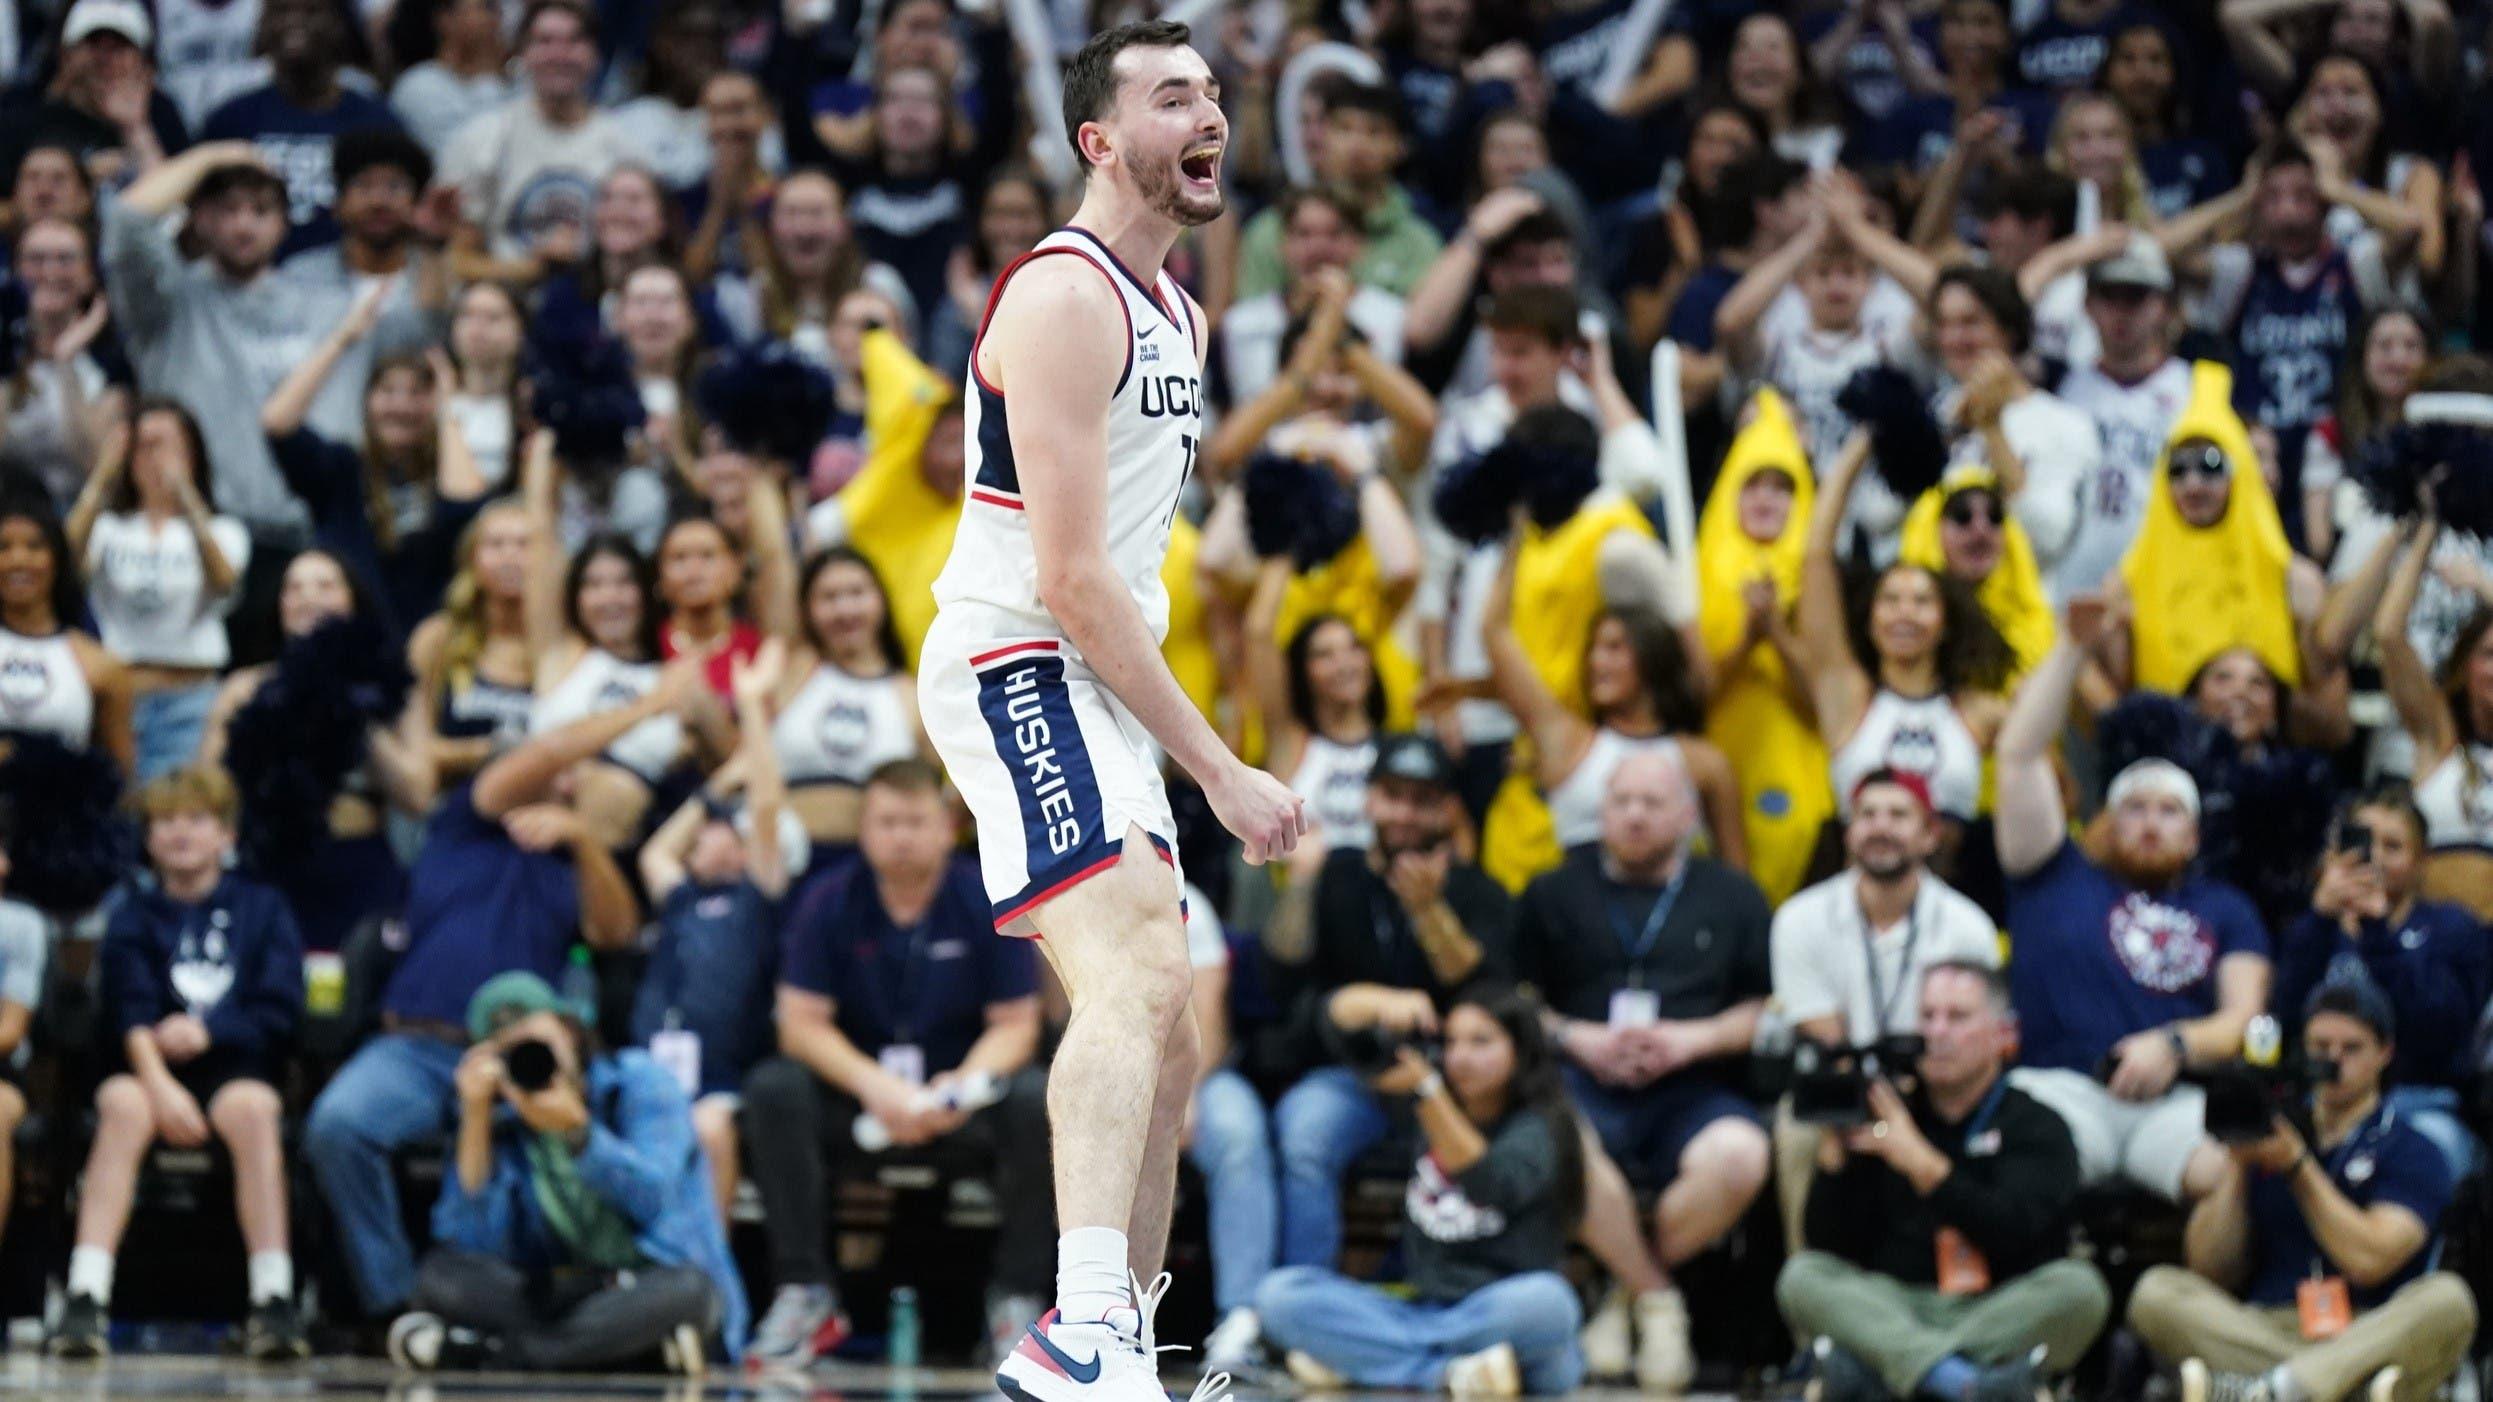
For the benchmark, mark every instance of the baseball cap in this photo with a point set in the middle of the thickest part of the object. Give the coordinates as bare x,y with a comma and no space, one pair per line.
1417,758
2141,264
2152,776
509,996
127,18
2352,993
1913,784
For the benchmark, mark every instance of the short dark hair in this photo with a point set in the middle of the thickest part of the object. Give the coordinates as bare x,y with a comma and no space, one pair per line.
1375,99
240,177
1994,983
2395,795
1091,78
1761,175
2031,191
2282,150
1996,290
580,10
366,148
909,775
1298,197
1540,226
1547,312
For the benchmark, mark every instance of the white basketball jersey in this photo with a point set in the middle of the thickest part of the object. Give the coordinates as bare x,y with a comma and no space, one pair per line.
1155,424
2133,421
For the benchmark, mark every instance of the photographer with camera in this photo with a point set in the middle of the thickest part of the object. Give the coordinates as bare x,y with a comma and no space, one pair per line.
1939,1224
575,1229
2428,957
1849,951
1368,944
2131,966
1653,962
2329,1235
1490,1205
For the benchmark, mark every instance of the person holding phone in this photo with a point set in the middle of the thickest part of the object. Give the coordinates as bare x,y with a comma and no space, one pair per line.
2429,958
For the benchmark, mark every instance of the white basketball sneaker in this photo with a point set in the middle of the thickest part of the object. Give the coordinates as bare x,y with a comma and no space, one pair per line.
1059,1360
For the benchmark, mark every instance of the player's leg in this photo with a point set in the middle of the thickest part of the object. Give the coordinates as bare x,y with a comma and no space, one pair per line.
1118,944
1155,1189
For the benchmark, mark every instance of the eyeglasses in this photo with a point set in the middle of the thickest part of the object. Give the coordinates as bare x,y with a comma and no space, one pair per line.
2206,460
1971,509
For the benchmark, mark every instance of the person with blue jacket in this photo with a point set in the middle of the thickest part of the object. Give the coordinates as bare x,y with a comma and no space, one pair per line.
202,986
575,1229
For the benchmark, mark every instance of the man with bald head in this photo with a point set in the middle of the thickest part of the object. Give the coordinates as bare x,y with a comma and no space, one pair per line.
1654,964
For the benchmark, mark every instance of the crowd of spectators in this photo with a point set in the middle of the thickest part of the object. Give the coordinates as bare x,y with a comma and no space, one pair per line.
1948,538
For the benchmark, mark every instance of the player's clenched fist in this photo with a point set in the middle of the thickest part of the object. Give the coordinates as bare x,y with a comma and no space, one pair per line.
1259,810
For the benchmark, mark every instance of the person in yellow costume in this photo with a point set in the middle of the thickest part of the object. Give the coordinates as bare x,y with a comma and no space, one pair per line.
2211,570
1750,538
901,508
1962,529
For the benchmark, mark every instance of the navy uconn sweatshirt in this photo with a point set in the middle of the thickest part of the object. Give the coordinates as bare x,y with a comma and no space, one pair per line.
234,961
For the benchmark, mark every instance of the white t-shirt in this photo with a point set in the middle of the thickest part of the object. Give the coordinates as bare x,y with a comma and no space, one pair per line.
206,52
149,591
1821,966
1207,941
1810,368
434,102
2058,446
1251,336
485,422
520,176
25,946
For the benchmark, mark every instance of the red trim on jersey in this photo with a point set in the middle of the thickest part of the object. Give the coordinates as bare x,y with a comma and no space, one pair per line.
990,498
995,294
1193,339
1038,898
1033,645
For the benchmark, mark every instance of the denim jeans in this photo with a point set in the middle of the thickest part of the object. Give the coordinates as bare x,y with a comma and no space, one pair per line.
1322,1124
166,726
1378,1341
2433,1113
395,1092
1232,1149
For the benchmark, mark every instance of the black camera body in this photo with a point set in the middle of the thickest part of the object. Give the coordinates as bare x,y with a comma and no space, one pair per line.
1831,1085
2244,1100
531,1064
1372,1051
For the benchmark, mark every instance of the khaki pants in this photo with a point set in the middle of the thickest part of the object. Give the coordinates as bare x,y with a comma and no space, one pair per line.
2423,1330
1903,1330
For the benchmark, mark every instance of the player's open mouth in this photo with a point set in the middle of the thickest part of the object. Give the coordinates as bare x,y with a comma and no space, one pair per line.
1201,166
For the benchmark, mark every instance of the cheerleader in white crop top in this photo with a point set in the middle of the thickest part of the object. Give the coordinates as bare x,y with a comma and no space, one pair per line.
1323,705
847,706
2450,718
1641,693
1916,687
54,679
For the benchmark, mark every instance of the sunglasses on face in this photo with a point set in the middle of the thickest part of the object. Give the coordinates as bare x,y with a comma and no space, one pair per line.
1971,510
2205,461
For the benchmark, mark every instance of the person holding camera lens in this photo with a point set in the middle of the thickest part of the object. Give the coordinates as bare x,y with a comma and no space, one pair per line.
2429,958
2131,966
1367,946
1654,964
575,1228
2327,1228
1490,1204
1938,1258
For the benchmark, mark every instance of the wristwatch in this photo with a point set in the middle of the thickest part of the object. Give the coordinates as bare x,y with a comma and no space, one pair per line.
2179,1044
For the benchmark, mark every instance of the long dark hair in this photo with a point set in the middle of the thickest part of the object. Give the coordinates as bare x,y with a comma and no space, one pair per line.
2359,411
1972,654
69,607
2453,675
617,546
1536,1086
418,466
1303,691
202,473
886,634
1662,670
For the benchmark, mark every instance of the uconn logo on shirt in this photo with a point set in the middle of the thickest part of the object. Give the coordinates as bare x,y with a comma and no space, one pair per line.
24,683
1171,396
2165,949
1043,775
1913,749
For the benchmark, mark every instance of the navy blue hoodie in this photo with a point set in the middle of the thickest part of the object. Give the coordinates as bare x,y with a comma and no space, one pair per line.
234,961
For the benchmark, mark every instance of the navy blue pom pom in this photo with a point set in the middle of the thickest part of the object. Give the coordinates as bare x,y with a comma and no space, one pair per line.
768,401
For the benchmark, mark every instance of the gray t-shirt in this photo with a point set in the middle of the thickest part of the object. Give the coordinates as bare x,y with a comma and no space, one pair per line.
25,945
1498,1218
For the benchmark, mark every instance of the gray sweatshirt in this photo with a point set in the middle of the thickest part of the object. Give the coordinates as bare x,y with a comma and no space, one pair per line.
222,348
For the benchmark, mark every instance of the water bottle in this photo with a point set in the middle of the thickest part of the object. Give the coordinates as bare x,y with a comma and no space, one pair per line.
580,985
903,1352
973,1091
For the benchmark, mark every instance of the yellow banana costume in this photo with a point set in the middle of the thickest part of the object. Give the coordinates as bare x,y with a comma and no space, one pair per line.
2013,595
900,524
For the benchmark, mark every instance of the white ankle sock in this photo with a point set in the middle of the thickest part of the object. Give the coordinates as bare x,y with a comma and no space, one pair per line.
1091,1276
272,1276
91,1273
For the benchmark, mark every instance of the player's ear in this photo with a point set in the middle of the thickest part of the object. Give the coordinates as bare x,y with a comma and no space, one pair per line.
1092,140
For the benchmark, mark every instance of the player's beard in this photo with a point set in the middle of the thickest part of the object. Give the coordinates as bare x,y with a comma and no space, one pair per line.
1164,190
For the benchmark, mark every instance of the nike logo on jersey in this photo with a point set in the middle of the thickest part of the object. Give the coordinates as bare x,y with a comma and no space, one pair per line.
1085,1373
1146,333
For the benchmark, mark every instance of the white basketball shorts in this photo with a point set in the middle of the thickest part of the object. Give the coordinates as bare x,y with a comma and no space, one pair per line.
1053,767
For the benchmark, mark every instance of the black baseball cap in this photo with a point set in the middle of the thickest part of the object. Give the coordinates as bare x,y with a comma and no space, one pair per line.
1413,757
2355,996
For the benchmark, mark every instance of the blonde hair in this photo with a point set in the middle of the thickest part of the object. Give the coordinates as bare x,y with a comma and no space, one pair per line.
2129,203
200,788
463,603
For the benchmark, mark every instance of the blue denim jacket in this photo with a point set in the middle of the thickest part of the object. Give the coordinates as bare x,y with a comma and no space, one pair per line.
642,1158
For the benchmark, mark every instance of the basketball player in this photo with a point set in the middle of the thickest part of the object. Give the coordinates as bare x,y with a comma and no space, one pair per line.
1044,690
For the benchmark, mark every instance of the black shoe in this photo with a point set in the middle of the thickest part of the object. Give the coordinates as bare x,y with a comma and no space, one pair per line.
2019,1380
1843,1377
274,1334
81,1332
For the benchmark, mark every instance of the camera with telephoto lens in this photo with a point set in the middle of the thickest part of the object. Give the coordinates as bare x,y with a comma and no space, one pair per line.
1372,1051
531,1064
2244,1097
1831,1085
